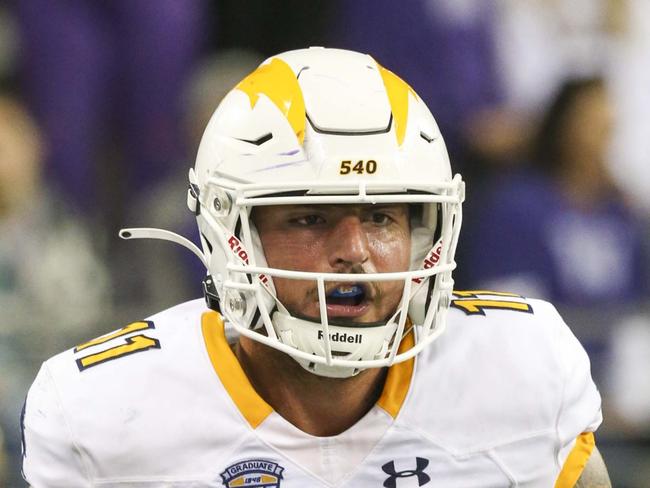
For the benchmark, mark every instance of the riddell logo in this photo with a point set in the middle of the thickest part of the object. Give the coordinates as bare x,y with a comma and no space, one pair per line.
430,261
342,337
237,247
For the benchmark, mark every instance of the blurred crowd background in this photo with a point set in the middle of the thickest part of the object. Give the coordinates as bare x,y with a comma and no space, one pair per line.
544,105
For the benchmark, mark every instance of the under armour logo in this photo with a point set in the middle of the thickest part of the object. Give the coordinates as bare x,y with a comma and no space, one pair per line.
420,465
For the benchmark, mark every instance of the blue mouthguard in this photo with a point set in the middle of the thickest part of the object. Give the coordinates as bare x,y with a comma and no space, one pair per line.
353,291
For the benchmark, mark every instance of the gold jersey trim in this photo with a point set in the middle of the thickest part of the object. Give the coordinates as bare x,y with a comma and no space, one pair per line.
398,380
576,461
254,409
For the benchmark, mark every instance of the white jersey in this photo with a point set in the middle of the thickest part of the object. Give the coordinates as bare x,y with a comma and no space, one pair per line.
503,398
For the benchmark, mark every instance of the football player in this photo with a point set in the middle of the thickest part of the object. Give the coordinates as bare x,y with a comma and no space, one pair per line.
329,219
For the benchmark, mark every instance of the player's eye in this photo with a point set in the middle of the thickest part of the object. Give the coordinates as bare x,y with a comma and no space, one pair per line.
380,218
307,220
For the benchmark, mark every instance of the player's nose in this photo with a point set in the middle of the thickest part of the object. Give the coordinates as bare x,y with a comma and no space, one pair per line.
348,244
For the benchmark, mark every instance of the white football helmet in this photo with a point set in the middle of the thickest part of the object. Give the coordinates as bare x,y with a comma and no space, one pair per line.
323,126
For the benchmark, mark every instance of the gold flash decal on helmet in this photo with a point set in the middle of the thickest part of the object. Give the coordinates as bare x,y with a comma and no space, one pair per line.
277,81
398,97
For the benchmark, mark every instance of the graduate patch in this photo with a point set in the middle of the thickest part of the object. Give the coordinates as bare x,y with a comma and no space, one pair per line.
253,473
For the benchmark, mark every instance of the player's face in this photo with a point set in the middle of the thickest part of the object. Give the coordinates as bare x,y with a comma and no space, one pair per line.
337,239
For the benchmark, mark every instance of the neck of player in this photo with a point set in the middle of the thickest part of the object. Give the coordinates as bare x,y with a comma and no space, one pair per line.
314,404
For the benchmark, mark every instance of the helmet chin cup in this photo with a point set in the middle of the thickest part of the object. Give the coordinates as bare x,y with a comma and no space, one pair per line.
352,343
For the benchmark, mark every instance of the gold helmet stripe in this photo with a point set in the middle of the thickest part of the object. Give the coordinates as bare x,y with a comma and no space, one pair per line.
278,82
397,91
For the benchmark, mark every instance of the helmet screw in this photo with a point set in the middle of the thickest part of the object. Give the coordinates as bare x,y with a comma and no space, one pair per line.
237,304
221,203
